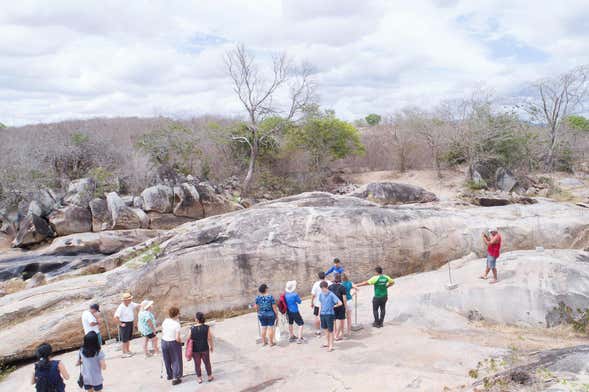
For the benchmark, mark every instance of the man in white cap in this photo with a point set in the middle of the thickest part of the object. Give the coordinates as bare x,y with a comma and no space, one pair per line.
294,316
146,325
493,242
124,317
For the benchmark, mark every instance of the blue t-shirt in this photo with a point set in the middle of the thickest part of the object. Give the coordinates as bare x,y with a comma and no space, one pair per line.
348,285
335,270
265,303
292,302
328,301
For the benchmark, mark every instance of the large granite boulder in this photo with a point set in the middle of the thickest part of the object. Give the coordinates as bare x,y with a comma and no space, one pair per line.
70,219
216,264
505,180
32,230
394,193
159,221
187,202
212,202
101,216
104,242
43,203
80,192
158,198
124,217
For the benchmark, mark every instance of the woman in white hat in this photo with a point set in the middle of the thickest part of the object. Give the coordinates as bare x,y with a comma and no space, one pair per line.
293,300
147,327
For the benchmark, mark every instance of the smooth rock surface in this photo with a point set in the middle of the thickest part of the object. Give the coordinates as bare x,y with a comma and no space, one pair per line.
216,264
386,193
159,221
70,219
158,198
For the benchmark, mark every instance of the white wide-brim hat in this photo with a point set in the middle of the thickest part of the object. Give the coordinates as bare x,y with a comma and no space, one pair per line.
146,304
291,286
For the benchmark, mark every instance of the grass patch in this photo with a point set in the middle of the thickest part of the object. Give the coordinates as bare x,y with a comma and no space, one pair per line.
150,255
5,370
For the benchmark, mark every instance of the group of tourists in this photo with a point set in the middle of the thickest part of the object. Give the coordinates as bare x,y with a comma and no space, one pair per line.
331,302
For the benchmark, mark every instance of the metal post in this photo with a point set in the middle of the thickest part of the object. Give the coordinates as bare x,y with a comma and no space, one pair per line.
356,326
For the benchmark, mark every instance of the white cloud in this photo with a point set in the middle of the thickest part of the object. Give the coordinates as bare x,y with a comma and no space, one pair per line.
74,59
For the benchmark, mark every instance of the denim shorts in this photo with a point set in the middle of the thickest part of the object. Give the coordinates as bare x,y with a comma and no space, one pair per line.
491,261
95,387
267,320
327,321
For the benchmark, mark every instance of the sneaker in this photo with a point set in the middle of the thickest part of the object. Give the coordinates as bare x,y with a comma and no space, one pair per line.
292,339
375,324
301,340
317,333
176,381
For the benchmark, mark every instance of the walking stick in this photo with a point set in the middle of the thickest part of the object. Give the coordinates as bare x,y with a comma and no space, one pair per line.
356,326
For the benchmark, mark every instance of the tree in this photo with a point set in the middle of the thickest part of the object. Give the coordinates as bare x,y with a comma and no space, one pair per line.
373,119
556,99
2,125
402,137
325,138
259,96
578,123
432,130
176,145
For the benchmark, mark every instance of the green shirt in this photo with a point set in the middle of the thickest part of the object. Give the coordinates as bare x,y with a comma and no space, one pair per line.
380,283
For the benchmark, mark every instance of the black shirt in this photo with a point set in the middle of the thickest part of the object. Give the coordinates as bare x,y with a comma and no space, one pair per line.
339,290
200,338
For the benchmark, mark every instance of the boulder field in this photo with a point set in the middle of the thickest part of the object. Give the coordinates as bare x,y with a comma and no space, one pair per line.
216,264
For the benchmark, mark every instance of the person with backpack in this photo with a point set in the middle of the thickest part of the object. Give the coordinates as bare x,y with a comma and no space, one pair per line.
92,363
381,283
292,301
49,374
340,312
202,346
267,314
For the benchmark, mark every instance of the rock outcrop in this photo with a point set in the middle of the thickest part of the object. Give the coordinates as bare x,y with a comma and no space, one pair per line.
187,202
212,203
101,216
386,193
32,230
158,198
70,219
80,192
216,264
124,217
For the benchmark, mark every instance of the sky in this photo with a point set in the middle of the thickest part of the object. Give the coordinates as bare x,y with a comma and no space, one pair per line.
71,59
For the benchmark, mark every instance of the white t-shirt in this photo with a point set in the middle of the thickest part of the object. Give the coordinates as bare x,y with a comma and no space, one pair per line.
126,313
316,290
87,318
170,328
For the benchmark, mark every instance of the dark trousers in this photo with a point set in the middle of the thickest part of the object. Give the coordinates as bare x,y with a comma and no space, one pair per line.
379,304
204,357
172,353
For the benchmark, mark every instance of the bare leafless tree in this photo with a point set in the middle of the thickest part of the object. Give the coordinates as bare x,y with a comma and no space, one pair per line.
402,137
259,95
556,99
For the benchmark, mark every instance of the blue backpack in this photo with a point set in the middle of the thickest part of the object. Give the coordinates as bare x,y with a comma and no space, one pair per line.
48,379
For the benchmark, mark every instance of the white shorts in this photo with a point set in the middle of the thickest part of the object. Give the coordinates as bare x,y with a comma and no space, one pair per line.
349,306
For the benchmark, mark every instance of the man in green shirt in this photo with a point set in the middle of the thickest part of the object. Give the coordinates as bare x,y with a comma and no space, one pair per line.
381,284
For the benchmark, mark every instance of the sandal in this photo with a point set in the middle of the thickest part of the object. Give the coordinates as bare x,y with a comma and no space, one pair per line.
483,277
211,379
493,281
200,380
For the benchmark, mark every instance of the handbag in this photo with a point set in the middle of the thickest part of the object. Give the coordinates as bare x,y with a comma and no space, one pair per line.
80,378
188,353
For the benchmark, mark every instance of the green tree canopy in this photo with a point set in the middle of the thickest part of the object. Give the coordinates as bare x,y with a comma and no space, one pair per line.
325,138
2,125
373,119
578,123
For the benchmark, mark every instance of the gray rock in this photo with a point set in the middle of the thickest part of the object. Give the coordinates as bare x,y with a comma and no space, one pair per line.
104,242
138,202
80,192
570,182
129,200
124,217
36,280
33,230
70,219
43,203
159,221
158,198
505,180
187,202
394,193
101,216
213,203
